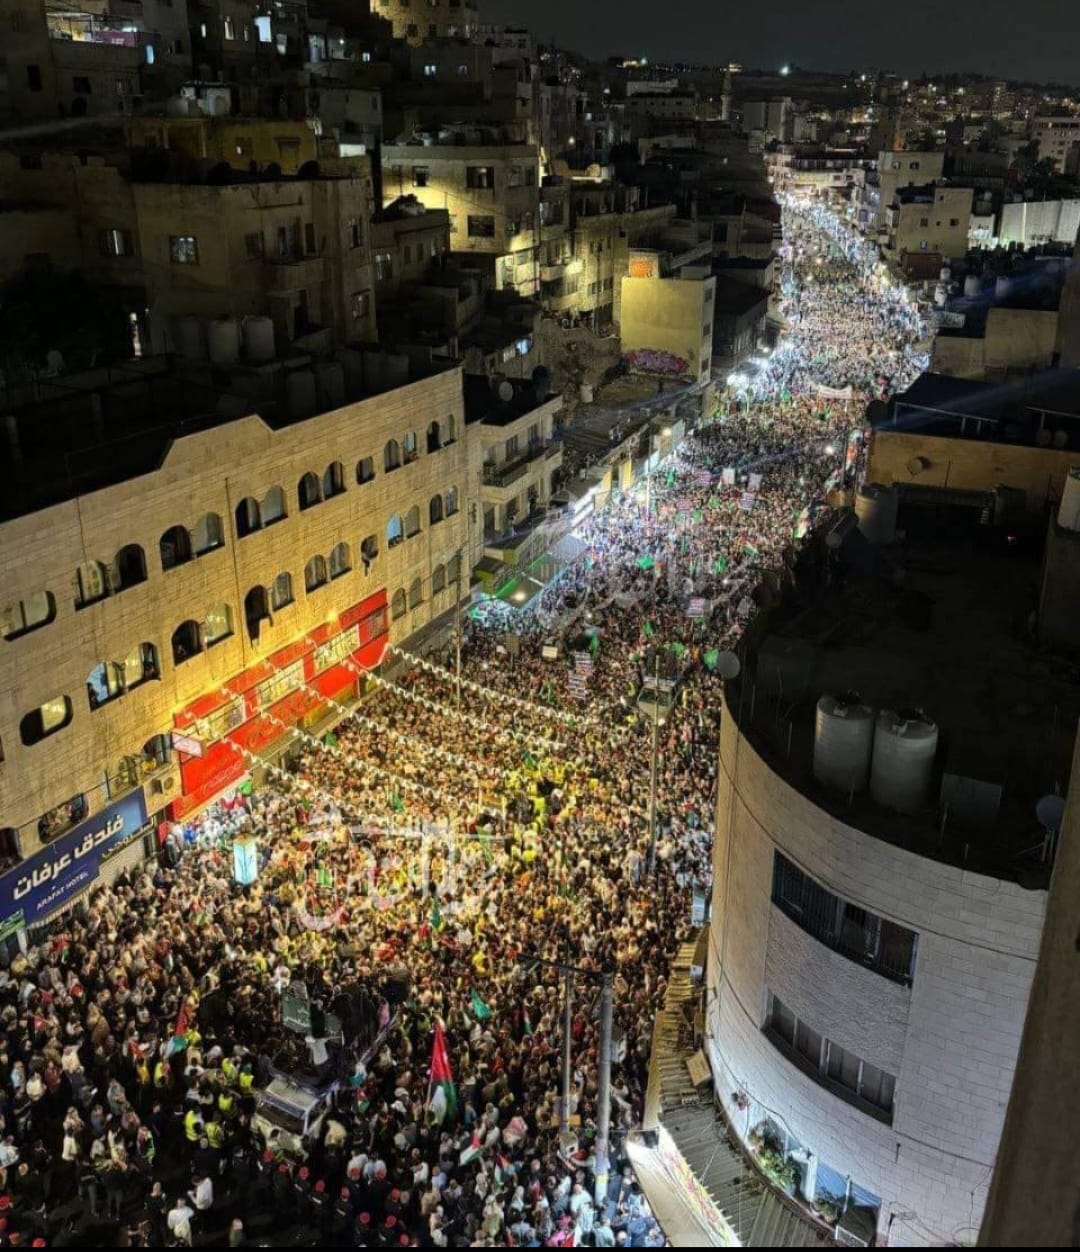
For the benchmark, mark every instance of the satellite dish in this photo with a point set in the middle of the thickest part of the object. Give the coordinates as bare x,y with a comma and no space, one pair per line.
1049,811
727,665
506,391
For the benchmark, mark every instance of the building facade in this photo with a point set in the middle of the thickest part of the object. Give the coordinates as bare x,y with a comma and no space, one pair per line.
864,1003
227,596
667,325
491,192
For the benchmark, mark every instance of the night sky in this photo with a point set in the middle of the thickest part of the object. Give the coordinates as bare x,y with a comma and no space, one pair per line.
1030,39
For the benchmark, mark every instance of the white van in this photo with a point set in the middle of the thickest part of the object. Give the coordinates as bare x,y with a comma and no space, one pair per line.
289,1115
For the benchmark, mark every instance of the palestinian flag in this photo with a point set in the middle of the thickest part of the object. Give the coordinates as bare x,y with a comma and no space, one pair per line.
179,1039
470,1153
527,1024
441,1076
502,1170
479,1009
750,550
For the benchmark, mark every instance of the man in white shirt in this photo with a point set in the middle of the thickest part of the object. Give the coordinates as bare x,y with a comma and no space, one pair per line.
203,1194
178,1220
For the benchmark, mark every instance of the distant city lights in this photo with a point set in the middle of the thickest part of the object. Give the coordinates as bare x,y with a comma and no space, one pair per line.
785,70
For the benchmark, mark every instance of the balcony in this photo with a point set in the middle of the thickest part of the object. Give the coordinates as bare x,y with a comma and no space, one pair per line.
285,274
506,473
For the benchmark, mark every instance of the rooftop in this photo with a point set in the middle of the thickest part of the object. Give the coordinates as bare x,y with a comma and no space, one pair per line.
1019,411
898,627
81,432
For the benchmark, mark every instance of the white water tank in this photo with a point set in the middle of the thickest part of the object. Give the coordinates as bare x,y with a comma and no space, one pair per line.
843,742
259,338
330,384
876,508
300,393
191,339
223,335
1069,508
972,286
905,744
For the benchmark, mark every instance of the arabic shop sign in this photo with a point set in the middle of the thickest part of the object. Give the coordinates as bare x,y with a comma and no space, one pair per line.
50,878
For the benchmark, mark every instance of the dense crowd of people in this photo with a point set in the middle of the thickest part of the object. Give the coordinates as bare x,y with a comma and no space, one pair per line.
421,867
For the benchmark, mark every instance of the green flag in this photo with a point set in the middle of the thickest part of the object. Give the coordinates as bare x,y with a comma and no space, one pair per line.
245,788
699,515
324,877
436,915
678,649
711,658
397,803
594,645
479,1009
671,478
648,630
714,502
645,562
529,759
720,565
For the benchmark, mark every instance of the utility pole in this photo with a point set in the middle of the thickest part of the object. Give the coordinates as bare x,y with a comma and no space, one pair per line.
457,629
653,762
568,1024
603,1092
606,981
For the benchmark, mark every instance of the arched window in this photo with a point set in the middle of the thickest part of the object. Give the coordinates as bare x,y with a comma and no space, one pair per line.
416,593
91,584
307,491
104,683
395,532
333,480
435,513
453,569
141,666
408,447
412,522
434,437
282,593
256,611
397,604
315,573
340,562
129,567
175,547
46,720
451,506
273,506
20,617
451,430
369,549
156,752
186,642
391,455
218,624
248,517
438,579
207,534
365,470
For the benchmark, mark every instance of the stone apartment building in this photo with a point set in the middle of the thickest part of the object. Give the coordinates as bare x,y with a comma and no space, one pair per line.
230,585
490,190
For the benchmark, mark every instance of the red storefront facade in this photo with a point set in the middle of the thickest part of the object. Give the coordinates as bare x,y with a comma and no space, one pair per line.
261,704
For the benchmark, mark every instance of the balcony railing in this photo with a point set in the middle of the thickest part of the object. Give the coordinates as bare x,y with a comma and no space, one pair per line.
505,473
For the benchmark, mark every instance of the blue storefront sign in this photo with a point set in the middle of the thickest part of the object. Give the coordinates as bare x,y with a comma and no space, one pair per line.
50,878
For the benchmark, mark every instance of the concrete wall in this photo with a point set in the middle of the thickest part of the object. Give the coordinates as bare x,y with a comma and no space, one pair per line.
1014,339
1035,221
212,472
950,1040
968,465
670,315
1036,1188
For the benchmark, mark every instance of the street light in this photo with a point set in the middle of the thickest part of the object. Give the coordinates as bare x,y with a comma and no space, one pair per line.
603,1094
